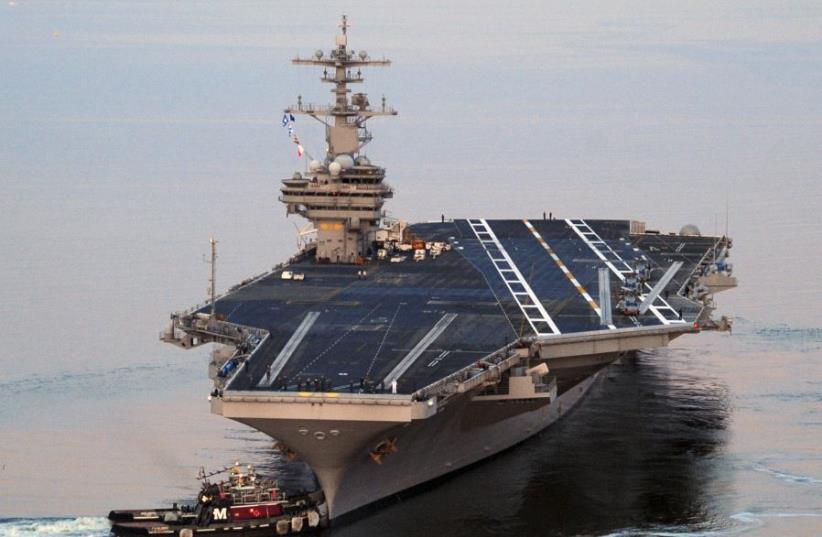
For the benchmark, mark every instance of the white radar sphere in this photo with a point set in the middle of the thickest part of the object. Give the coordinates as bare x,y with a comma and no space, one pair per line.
345,161
315,166
335,168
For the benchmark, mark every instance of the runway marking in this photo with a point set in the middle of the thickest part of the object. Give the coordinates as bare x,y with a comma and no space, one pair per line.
439,358
601,249
565,270
336,341
426,341
233,311
524,296
290,346
384,337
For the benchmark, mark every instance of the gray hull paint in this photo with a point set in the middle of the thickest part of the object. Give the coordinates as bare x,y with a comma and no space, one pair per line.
464,432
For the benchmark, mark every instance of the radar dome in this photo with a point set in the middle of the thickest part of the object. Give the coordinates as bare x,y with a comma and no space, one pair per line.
363,54
345,161
318,54
334,168
363,161
690,230
315,166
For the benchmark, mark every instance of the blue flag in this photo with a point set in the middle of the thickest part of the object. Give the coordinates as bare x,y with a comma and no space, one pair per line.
285,120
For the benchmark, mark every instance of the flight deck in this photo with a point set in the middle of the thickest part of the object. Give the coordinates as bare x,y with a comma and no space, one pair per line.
341,327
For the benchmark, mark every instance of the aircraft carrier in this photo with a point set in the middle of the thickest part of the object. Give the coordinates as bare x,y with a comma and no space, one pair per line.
387,354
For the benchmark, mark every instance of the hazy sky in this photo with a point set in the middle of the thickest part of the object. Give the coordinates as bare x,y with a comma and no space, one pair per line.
130,131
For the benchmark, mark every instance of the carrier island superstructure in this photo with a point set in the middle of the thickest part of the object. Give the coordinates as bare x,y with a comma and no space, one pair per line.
387,354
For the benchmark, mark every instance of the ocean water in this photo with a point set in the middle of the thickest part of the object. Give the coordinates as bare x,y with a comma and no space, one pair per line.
707,437
131,132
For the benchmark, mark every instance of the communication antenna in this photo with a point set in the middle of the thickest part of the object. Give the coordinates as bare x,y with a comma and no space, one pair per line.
212,281
727,204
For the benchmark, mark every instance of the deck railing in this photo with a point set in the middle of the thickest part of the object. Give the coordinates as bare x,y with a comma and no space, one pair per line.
466,379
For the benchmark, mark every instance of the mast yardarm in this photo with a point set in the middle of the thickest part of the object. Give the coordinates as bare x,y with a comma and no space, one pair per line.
346,132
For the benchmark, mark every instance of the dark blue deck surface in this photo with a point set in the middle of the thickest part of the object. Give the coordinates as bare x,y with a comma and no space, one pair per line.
364,328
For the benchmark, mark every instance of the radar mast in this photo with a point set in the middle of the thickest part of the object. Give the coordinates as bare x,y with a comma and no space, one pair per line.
342,195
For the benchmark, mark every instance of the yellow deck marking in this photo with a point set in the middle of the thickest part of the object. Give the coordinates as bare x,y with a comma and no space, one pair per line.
565,270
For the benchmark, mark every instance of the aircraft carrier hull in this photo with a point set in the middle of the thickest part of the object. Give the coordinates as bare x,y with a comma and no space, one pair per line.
462,433
388,374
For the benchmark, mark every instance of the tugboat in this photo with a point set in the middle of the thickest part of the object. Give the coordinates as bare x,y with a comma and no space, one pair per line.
244,504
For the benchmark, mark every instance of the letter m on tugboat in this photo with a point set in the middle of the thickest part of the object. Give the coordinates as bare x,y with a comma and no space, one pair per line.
220,513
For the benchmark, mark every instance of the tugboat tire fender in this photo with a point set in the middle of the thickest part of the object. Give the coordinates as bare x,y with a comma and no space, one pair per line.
283,526
313,519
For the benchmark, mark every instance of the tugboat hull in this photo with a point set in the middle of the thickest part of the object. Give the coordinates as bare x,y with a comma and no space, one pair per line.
221,511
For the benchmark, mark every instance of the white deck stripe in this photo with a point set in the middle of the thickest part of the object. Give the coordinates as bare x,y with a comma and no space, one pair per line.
565,270
620,273
289,348
544,317
595,250
426,341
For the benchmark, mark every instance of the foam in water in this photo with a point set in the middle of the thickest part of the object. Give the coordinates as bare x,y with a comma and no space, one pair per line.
743,523
786,476
69,527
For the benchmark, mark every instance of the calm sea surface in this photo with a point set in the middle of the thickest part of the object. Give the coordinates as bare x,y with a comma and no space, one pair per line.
130,132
